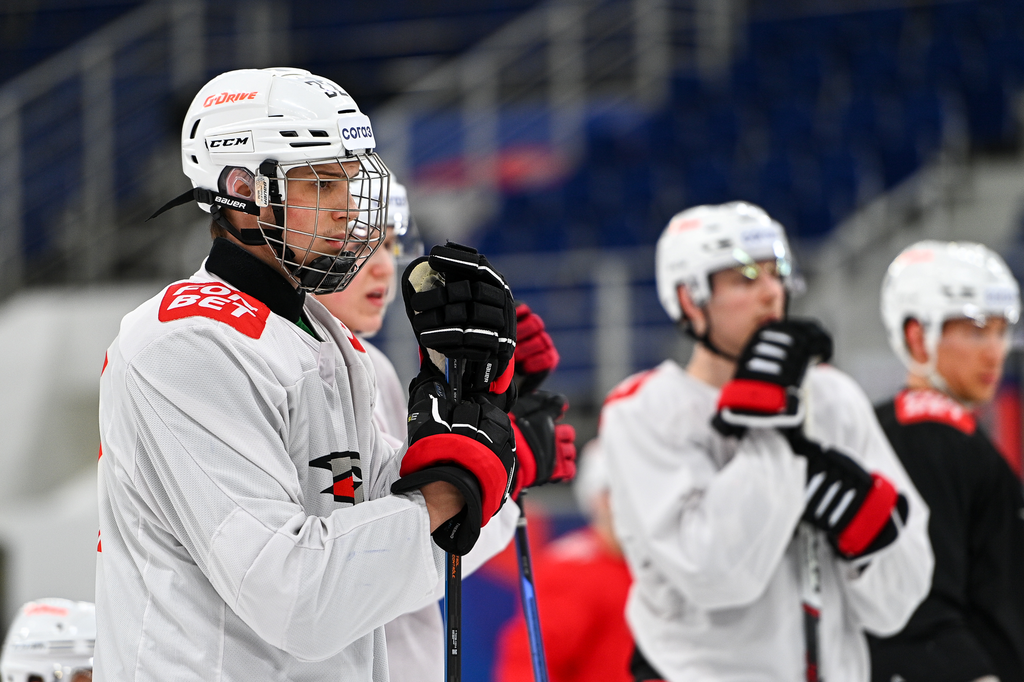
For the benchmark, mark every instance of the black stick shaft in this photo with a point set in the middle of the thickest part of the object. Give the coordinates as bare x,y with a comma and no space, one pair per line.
453,572
528,593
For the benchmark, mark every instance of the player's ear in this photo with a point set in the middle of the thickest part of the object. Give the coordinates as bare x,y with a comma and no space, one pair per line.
913,336
691,311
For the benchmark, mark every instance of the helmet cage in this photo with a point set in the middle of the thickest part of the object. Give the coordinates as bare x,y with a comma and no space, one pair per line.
362,197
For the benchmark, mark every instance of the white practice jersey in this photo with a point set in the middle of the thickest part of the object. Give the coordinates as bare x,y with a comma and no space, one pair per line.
247,526
707,524
416,640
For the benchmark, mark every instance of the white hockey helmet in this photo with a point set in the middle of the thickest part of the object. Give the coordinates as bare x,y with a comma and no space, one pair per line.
933,281
262,123
407,243
705,239
50,640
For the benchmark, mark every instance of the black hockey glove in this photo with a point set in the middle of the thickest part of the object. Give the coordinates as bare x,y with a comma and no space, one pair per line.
545,449
853,507
461,307
469,445
765,389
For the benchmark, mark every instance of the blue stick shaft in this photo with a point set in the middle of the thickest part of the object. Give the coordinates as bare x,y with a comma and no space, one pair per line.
529,596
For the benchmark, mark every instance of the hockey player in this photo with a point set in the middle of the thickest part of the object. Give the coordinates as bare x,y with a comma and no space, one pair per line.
254,523
948,309
718,463
50,639
416,640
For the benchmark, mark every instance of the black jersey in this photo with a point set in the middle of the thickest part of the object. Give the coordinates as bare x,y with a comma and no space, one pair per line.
972,622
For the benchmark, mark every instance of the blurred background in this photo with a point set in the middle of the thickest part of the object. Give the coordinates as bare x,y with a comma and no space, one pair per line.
558,136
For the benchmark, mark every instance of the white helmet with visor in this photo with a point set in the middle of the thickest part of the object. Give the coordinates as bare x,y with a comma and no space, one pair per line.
934,281
297,143
50,640
702,240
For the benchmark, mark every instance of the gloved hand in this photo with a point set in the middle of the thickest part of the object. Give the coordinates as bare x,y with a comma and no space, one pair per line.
765,389
461,307
536,355
469,444
545,449
854,508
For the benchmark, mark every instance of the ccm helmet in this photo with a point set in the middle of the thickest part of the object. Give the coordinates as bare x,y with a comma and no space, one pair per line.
50,640
705,239
252,134
933,281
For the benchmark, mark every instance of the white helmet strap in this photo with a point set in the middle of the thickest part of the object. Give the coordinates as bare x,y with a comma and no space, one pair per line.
928,369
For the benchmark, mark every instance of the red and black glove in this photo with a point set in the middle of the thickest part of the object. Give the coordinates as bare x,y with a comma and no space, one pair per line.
765,389
854,508
470,445
536,355
461,307
545,449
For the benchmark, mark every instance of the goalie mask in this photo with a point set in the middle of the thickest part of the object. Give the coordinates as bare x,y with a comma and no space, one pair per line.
292,149
703,240
932,282
50,640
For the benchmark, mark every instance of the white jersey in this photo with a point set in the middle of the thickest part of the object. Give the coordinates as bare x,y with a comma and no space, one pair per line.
247,526
416,640
707,525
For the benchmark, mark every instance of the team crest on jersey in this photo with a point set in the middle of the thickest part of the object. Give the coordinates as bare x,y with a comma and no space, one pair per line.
923,405
216,301
348,477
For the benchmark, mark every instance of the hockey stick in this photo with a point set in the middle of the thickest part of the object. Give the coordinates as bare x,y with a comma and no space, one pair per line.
453,573
810,578
528,594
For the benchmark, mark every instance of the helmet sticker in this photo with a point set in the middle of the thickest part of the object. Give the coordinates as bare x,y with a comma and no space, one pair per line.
227,97
329,88
356,132
230,142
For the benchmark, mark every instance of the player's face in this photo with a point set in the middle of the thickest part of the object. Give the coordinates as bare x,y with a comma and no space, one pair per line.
320,229
362,303
742,300
970,357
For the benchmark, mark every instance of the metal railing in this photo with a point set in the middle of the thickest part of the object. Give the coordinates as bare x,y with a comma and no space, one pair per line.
560,55
84,135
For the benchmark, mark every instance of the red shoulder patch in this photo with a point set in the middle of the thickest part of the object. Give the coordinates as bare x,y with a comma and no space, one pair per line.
914,406
628,387
218,302
352,337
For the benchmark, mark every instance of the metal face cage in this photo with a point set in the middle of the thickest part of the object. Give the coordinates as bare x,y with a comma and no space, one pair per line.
329,216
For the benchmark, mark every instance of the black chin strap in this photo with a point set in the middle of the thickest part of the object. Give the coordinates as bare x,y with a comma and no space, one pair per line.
218,202
705,340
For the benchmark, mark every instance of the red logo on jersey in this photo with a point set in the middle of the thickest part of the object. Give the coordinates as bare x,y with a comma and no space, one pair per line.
217,302
352,337
346,473
47,609
925,405
628,387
